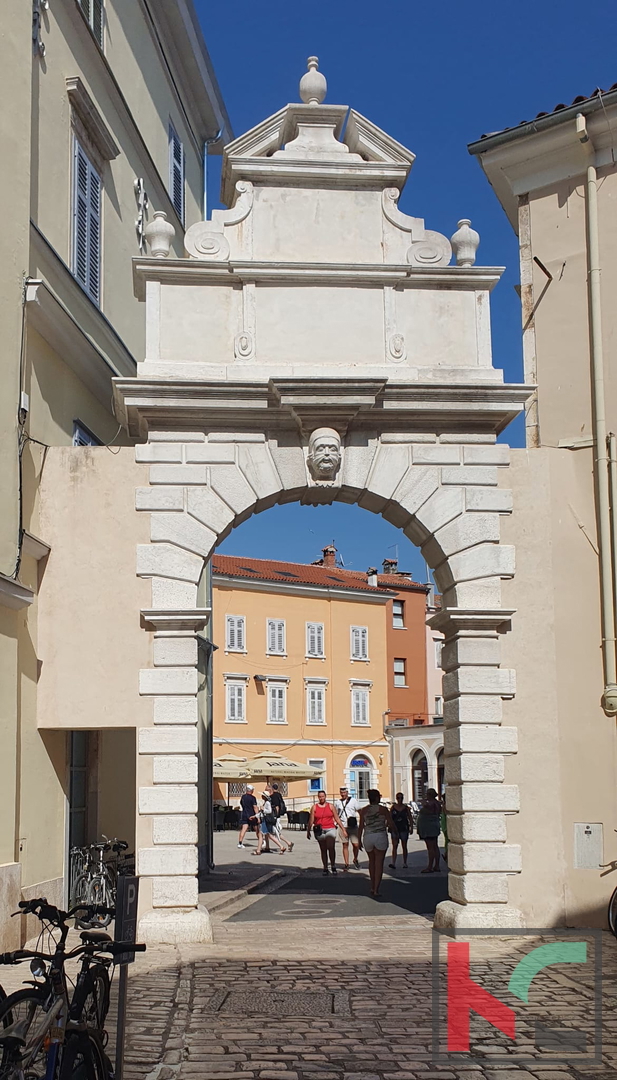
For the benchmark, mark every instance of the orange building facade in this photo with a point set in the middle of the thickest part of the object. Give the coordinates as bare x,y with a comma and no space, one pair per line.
310,662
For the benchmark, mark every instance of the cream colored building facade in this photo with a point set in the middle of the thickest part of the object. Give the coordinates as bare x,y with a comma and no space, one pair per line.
108,106
557,181
301,668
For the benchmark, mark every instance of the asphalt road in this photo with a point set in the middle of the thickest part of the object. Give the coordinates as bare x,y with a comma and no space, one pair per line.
347,896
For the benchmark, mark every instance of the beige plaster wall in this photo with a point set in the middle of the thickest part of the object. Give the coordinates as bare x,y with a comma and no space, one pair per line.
91,645
567,747
561,319
141,75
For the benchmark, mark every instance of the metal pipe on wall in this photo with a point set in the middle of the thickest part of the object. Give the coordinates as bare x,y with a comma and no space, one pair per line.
602,481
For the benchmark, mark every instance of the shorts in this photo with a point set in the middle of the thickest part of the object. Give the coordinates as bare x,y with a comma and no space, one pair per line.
351,838
247,821
378,840
267,830
402,835
326,833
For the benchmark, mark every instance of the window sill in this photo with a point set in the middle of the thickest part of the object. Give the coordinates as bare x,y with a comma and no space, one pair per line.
360,725
401,686
282,655
312,656
400,627
236,721
238,652
360,659
316,723
278,723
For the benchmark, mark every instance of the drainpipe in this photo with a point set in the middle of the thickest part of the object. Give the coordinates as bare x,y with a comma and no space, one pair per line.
607,589
390,740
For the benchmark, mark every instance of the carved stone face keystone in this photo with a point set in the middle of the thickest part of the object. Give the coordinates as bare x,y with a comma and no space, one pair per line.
324,454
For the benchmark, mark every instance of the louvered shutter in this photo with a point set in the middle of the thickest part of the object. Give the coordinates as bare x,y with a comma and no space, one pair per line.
235,702
276,635
231,632
319,636
359,642
96,20
311,639
240,633
316,706
360,706
277,704
176,172
87,225
235,632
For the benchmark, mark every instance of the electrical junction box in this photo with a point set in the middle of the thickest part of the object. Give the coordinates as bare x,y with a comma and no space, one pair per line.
588,846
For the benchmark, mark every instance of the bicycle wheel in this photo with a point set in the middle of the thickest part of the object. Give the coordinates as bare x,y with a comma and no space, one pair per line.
80,896
100,892
25,1011
83,1058
96,1003
612,913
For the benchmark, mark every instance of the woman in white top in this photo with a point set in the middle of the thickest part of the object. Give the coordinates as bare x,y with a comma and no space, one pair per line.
267,827
375,820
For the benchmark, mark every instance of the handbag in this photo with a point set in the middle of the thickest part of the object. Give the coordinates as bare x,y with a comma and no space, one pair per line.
317,830
270,819
352,823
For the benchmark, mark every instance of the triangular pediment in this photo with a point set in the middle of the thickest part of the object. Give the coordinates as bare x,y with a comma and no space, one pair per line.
366,145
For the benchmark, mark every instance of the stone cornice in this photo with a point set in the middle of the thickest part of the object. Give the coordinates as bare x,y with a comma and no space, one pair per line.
292,404
176,619
234,273
458,620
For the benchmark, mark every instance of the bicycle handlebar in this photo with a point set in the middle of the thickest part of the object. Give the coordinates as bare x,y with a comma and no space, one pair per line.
113,947
49,913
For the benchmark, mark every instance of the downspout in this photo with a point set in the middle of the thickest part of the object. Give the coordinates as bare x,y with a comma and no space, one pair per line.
607,588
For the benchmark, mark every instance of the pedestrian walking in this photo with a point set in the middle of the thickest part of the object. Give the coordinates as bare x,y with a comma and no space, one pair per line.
324,822
375,820
266,829
279,809
429,827
348,809
403,826
249,818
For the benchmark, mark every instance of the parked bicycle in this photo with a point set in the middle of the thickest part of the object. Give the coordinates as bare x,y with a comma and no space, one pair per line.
94,877
53,1030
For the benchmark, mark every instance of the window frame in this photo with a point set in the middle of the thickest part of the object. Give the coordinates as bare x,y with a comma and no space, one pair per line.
438,644
241,619
89,10
356,691
403,662
82,205
319,690
82,436
362,632
235,685
398,614
278,688
173,141
281,628
316,763
319,629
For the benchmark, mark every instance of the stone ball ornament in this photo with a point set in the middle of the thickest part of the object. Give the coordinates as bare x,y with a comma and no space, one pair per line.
324,454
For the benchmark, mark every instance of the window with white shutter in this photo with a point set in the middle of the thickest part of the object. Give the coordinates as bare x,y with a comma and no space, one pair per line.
398,614
359,643
86,224
275,637
277,702
315,705
314,639
234,633
359,706
93,14
236,696
176,172
400,674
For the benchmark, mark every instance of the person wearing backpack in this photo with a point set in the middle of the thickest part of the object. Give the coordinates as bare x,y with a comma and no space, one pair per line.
279,809
348,809
268,822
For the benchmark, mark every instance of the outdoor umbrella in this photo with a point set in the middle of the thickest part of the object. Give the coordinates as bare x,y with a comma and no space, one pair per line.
230,767
278,767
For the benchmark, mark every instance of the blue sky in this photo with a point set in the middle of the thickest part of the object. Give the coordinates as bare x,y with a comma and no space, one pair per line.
436,77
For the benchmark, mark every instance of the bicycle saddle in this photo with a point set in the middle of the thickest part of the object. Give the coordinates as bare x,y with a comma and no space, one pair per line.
94,937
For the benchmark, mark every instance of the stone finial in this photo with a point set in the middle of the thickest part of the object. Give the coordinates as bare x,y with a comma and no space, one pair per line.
159,233
465,243
313,85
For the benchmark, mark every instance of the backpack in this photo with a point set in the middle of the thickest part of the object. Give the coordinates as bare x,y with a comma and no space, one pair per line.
283,809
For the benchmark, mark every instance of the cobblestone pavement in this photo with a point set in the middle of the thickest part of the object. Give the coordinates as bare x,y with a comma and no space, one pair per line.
329,999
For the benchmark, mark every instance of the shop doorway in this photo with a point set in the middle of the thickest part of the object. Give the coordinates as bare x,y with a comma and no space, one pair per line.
419,775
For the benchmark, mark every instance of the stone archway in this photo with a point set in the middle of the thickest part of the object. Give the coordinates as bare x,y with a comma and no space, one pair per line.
314,303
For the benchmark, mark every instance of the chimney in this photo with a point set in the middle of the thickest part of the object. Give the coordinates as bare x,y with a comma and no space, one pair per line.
390,566
329,555
371,576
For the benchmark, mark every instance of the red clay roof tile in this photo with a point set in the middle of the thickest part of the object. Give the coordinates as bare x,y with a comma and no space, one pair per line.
330,577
